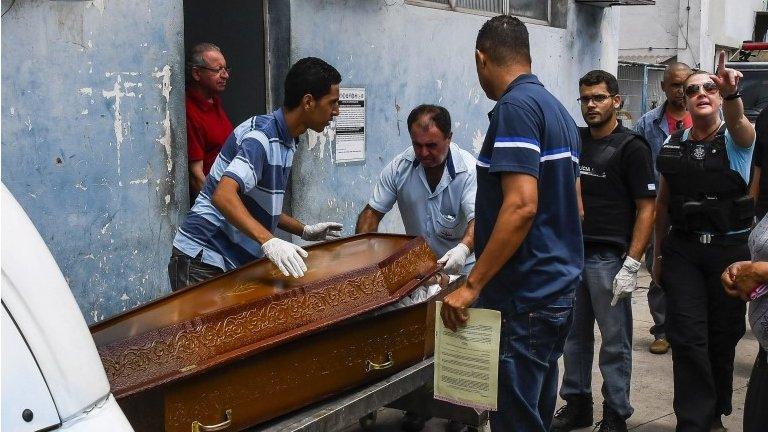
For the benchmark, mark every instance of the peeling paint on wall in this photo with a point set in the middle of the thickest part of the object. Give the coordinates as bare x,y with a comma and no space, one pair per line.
98,4
165,139
477,141
105,101
117,93
321,140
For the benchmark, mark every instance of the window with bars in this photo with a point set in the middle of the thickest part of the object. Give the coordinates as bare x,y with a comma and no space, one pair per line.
535,10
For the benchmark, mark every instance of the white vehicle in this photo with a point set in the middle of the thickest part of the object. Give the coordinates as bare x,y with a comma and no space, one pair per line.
52,376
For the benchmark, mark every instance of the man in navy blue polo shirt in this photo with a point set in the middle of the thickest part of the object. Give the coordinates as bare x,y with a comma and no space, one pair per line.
527,227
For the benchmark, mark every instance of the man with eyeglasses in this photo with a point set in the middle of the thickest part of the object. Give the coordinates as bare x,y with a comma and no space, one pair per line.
207,124
618,194
655,126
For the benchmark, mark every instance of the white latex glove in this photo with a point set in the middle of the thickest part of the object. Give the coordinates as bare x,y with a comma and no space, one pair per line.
626,280
453,260
321,231
286,256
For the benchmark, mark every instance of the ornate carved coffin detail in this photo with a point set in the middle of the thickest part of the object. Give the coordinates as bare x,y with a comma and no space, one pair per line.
254,308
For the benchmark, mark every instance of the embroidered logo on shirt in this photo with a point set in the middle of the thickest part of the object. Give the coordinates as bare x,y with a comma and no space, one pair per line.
698,152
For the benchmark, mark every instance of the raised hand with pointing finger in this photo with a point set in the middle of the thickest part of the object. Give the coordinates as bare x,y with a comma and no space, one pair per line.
726,79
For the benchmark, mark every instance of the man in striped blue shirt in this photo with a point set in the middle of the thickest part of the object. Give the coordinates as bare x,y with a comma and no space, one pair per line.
527,228
233,220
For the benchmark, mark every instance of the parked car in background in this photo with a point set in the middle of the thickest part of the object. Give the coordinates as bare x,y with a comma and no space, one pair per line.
752,61
52,376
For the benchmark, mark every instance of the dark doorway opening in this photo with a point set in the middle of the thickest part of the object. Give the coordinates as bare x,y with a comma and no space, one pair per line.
237,27
761,27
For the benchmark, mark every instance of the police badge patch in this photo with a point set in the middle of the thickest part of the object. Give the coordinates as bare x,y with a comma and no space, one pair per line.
698,152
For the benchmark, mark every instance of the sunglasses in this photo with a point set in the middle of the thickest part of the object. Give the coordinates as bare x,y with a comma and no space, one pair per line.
694,89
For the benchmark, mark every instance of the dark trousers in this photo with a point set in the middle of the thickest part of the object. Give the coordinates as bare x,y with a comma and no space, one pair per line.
531,344
756,406
184,270
657,301
703,326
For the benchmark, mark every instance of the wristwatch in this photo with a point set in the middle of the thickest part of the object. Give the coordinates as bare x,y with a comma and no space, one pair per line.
736,95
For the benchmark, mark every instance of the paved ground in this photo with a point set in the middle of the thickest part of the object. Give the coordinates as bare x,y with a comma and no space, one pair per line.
651,382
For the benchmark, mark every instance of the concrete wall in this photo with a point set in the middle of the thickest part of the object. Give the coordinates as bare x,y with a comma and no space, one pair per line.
92,111
649,33
730,25
406,55
689,29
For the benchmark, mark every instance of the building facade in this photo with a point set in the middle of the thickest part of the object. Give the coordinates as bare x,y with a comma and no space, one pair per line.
93,136
690,31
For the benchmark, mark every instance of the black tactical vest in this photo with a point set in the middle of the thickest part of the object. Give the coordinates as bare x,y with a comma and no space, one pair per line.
705,194
609,214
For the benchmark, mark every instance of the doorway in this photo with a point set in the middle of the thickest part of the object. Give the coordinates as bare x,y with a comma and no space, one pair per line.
237,27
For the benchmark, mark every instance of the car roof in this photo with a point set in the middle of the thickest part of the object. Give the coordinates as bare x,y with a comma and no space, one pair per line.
39,299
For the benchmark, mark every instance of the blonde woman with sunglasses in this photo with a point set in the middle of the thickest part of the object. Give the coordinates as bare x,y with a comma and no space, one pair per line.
703,217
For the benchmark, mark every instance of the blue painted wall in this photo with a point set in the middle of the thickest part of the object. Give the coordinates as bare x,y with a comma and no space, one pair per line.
92,109
93,116
407,55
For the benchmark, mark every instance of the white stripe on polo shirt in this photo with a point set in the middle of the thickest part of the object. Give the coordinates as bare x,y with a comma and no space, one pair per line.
555,156
516,144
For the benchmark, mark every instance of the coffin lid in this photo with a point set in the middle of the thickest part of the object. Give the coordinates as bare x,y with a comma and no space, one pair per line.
253,308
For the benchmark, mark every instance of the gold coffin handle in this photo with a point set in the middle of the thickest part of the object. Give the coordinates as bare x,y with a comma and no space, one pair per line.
199,427
369,365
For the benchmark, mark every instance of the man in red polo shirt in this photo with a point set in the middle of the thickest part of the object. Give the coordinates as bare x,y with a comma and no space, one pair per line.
207,124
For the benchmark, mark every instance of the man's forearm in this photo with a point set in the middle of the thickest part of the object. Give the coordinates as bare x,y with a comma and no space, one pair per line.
641,233
512,226
289,224
368,221
227,201
660,227
469,236
579,199
196,177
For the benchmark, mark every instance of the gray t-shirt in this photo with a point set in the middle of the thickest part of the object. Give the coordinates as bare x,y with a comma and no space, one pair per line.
758,309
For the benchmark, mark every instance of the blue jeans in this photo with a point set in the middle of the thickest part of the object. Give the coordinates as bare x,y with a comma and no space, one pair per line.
593,303
531,344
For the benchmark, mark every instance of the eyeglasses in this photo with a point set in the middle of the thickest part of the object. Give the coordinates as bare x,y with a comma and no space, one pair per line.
598,99
694,89
217,71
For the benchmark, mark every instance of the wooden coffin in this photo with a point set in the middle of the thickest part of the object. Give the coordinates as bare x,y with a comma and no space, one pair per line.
251,345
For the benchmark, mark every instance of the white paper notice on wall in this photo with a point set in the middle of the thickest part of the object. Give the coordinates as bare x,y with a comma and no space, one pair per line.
350,126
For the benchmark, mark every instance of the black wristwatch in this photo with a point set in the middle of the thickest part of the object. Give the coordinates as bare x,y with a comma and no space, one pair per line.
736,95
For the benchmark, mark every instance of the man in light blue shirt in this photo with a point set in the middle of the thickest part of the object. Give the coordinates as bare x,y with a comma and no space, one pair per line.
434,184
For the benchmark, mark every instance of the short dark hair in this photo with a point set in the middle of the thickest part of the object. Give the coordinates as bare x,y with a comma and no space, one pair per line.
309,75
596,77
435,113
504,38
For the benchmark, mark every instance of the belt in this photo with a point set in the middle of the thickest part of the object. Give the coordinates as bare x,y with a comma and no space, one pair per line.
713,239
